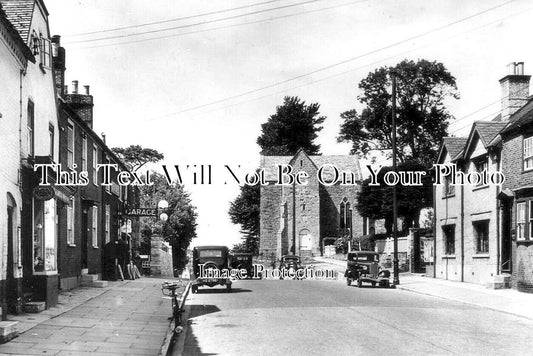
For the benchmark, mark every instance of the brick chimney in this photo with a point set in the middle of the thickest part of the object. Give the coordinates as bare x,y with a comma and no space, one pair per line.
82,104
58,54
515,89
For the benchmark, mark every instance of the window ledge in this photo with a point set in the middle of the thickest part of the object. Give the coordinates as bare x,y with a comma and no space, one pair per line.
95,247
448,196
480,187
71,245
481,255
448,257
45,273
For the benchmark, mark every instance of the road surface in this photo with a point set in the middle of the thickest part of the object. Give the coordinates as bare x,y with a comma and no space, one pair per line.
310,317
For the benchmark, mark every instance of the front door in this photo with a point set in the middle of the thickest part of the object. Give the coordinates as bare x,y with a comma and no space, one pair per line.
11,283
506,242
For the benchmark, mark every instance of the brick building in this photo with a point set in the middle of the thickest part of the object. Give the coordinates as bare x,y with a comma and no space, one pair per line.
91,220
301,219
484,233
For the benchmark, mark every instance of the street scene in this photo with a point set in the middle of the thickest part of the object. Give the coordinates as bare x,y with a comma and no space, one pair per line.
317,177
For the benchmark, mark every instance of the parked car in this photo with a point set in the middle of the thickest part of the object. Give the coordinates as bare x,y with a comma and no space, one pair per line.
289,262
214,263
362,266
242,260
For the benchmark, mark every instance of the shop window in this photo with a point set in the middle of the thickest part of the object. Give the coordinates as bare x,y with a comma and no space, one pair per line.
44,236
448,232
528,153
481,232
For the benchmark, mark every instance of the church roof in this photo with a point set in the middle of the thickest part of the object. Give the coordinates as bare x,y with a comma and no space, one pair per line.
342,162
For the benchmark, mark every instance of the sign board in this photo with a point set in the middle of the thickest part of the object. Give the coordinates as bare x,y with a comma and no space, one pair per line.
141,212
43,193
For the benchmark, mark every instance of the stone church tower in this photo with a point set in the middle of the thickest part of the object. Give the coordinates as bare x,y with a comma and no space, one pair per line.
301,219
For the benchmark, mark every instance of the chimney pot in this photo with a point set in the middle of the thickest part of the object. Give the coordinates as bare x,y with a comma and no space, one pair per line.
511,68
519,69
86,89
74,87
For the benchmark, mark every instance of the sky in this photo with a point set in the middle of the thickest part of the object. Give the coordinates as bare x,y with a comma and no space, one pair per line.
195,79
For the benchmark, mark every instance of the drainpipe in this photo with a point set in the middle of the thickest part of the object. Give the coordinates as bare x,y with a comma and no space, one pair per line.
498,210
434,231
462,233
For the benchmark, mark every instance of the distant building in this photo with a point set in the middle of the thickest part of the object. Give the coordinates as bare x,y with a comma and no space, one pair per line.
301,219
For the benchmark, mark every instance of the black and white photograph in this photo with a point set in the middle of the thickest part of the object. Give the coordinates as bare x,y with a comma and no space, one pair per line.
266,177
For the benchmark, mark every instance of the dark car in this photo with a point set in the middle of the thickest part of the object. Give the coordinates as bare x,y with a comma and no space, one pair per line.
290,263
211,267
363,266
241,260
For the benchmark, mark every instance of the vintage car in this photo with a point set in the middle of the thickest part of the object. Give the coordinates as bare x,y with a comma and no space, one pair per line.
362,266
211,267
288,263
241,260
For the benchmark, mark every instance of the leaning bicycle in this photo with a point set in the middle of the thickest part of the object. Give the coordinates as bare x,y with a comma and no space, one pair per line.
169,290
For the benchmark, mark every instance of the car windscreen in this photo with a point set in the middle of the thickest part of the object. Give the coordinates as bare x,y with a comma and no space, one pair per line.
210,253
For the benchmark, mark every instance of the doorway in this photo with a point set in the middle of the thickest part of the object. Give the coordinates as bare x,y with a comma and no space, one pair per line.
506,240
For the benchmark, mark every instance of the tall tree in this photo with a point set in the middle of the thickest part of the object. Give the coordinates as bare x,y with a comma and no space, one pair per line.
135,156
294,125
180,227
422,118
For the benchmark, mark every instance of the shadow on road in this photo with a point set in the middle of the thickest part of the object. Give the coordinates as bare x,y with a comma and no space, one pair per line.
223,291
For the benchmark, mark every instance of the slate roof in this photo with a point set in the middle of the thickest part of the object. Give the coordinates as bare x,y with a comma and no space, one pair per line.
522,117
488,130
343,163
19,13
454,145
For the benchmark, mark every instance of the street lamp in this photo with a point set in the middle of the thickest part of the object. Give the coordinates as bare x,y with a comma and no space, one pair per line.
162,205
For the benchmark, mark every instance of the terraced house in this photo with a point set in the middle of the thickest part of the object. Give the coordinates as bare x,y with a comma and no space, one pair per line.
483,232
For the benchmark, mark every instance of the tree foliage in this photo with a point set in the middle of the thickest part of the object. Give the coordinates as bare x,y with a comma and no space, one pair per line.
135,156
244,210
294,125
375,202
180,227
422,118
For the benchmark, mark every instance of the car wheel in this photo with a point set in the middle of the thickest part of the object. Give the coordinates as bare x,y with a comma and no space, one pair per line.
348,282
373,284
194,289
359,283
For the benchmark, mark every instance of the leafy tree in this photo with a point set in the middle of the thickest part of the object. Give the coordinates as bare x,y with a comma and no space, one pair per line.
244,210
375,202
294,125
422,118
180,227
136,156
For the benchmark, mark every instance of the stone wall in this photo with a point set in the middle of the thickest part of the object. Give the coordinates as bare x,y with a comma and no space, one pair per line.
160,258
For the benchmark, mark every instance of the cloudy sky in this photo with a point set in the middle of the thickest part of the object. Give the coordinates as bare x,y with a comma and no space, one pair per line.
194,79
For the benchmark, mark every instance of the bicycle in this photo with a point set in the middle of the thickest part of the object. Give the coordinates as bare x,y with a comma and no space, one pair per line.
176,301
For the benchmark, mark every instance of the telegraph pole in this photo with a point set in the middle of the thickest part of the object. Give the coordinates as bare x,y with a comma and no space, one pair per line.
396,280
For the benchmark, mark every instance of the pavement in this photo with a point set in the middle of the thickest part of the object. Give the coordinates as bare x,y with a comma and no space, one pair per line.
125,318
507,301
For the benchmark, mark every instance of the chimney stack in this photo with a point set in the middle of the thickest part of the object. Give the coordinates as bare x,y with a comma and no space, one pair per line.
82,104
58,64
515,89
